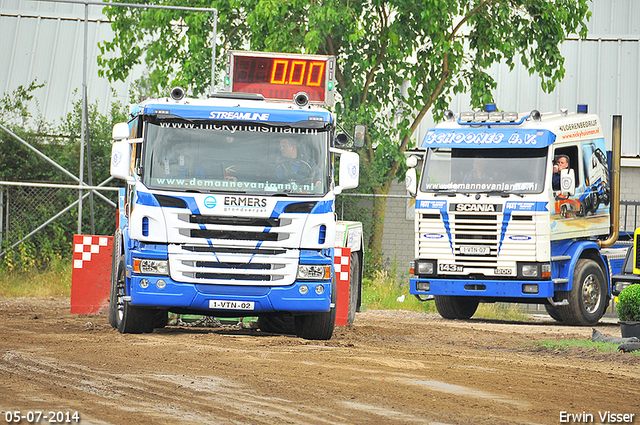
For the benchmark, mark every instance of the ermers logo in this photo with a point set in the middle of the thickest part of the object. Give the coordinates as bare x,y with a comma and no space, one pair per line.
520,238
242,201
476,207
210,202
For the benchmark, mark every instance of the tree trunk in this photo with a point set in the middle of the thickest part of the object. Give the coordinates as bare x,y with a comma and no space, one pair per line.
377,227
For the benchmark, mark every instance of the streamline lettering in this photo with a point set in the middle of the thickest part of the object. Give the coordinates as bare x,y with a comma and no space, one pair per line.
245,116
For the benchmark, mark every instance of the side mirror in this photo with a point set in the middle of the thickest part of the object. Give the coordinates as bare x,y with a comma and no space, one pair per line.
121,131
410,181
358,137
412,161
567,182
349,175
121,160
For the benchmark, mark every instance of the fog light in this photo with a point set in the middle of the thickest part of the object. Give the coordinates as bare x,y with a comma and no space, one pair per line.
620,286
530,288
161,284
144,283
319,289
303,289
423,286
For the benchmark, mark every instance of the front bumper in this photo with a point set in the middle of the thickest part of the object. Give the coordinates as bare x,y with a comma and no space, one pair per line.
483,288
197,297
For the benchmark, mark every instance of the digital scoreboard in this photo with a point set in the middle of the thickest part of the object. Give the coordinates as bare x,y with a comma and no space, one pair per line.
279,76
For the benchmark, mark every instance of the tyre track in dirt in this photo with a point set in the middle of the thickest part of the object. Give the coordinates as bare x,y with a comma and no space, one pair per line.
389,367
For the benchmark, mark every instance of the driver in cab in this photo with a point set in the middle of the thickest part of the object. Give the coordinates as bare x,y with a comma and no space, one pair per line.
294,165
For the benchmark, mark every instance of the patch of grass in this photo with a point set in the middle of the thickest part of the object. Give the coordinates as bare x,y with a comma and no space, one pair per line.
384,292
499,311
55,281
604,347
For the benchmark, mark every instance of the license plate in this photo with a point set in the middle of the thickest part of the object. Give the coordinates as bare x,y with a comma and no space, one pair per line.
475,250
231,305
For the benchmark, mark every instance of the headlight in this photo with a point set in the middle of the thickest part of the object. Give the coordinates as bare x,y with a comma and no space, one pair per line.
314,272
534,270
425,267
148,266
530,270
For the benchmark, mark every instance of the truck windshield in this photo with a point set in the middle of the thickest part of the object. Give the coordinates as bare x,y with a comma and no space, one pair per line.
205,156
516,171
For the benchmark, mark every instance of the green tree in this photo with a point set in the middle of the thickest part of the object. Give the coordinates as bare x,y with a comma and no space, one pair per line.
396,59
30,207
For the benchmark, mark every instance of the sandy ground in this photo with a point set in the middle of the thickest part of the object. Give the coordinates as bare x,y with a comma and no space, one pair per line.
393,367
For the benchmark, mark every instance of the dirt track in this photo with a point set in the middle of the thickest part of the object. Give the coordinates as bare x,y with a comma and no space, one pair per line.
389,367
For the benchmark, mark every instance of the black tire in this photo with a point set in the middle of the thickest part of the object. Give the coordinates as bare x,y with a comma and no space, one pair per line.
453,307
318,326
277,323
162,319
588,296
113,299
129,319
355,283
553,312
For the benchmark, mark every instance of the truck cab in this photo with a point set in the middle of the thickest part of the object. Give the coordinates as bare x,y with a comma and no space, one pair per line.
229,211
490,225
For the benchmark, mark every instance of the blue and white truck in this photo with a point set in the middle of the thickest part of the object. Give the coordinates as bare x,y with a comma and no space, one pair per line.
229,208
491,227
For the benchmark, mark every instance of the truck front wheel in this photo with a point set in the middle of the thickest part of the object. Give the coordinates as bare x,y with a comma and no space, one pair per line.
128,319
355,282
588,296
318,325
277,323
451,307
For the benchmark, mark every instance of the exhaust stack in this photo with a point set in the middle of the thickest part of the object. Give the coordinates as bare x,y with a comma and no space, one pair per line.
616,143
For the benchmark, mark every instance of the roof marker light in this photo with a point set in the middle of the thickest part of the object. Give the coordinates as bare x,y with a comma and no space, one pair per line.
490,107
511,116
496,116
466,116
481,116
583,109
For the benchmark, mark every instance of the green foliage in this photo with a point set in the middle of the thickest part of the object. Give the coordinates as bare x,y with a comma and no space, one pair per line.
383,292
33,206
52,281
396,59
628,305
603,347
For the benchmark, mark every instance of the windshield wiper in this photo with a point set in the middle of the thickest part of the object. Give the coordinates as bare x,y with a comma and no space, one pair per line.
503,193
447,192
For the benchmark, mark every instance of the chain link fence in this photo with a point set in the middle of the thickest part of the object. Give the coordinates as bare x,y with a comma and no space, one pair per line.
45,219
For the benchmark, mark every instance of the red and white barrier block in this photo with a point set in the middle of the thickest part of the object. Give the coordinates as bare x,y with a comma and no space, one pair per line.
91,276
341,267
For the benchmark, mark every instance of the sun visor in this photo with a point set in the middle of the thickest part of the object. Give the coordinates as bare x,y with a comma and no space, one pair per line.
487,138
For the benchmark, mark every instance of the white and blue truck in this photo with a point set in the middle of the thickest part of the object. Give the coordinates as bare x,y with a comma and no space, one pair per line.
491,226
229,208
